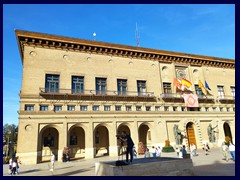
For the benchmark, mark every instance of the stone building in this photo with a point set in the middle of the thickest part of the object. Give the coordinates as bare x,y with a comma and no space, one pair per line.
80,93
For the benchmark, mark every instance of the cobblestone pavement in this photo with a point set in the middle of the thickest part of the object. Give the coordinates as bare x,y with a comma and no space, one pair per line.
212,164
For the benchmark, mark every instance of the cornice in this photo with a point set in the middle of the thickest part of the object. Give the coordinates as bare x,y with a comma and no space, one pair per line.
26,38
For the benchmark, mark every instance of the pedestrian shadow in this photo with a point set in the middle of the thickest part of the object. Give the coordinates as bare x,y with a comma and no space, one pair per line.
30,171
73,172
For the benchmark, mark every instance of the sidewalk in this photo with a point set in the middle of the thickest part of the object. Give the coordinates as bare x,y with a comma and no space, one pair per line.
204,165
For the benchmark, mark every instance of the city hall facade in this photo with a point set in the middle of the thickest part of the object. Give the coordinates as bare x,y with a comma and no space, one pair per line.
80,93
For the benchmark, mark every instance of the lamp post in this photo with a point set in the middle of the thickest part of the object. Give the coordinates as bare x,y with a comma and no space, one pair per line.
8,142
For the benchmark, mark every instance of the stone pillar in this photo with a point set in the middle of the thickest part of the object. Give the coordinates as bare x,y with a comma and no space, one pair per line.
89,139
113,147
63,135
134,133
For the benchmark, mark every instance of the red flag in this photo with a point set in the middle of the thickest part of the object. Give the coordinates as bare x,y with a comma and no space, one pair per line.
177,83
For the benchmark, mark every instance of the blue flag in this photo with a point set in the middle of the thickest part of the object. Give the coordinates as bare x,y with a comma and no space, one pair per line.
206,86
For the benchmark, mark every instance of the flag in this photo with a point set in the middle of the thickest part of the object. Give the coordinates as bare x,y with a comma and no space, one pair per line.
200,84
177,83
191,100
186,83
206,85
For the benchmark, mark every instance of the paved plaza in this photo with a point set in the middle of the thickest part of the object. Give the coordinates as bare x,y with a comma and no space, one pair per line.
212,164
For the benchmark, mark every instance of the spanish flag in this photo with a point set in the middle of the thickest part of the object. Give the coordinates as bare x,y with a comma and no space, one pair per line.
200,84
186,83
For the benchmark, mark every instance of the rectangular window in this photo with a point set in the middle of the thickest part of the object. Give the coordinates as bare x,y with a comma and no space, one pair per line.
233,91
118,108
52,83
101,85
83,108
141,88
221,109
157,108
174,108
43,108
73,140
148,108
138,108
167,88
183,108
57,108
71,108
220,91
206,109
107,108
122,86
166,108
128,108
214,108
198,90
29,107
95,108
228,109
234,109
77,84
48,141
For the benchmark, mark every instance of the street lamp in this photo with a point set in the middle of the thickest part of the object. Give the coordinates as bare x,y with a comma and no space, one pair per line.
8,142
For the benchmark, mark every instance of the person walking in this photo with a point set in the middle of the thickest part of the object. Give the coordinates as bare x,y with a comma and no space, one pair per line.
159,151
52,162
134,153
225,151
147,153
232,151
126,138
154,153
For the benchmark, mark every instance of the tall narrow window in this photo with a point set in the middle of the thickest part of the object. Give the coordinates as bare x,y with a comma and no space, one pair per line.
77,84
233,91
167,88
122,86
52,83
198,90
220,91
101,85
141,88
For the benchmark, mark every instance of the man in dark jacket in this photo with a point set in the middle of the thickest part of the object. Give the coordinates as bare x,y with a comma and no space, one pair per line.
126,137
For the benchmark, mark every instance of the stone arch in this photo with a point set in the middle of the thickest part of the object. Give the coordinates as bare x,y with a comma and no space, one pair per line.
227,130
76,141
101,139
144,133
48,142
191,133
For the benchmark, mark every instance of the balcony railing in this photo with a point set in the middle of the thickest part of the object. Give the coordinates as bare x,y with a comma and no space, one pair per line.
226,99
205,98
172,97
96,95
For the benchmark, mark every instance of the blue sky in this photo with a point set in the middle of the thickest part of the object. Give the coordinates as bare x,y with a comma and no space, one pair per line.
197,29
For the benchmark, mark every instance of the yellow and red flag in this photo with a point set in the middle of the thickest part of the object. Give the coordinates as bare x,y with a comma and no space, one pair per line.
177,83
186,83
200,84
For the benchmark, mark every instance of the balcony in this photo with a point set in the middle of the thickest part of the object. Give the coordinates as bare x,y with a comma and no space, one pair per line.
226,99
205,98
172,97
93,95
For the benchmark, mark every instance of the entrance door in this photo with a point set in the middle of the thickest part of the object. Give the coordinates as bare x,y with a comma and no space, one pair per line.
191,134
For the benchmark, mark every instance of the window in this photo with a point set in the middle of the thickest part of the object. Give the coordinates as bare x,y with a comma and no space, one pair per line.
174,108
233,91
234,109
198,90
48,141
220,91
138,108
214,108
101,85
29,107
148,108
83,108
183,108
206,109
77,84
43,108
167,88
71,108
95,108
118,108
228,109
57,108
122,86
221,109
141,88
52,83
166,108
128,108
157,108
107,108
